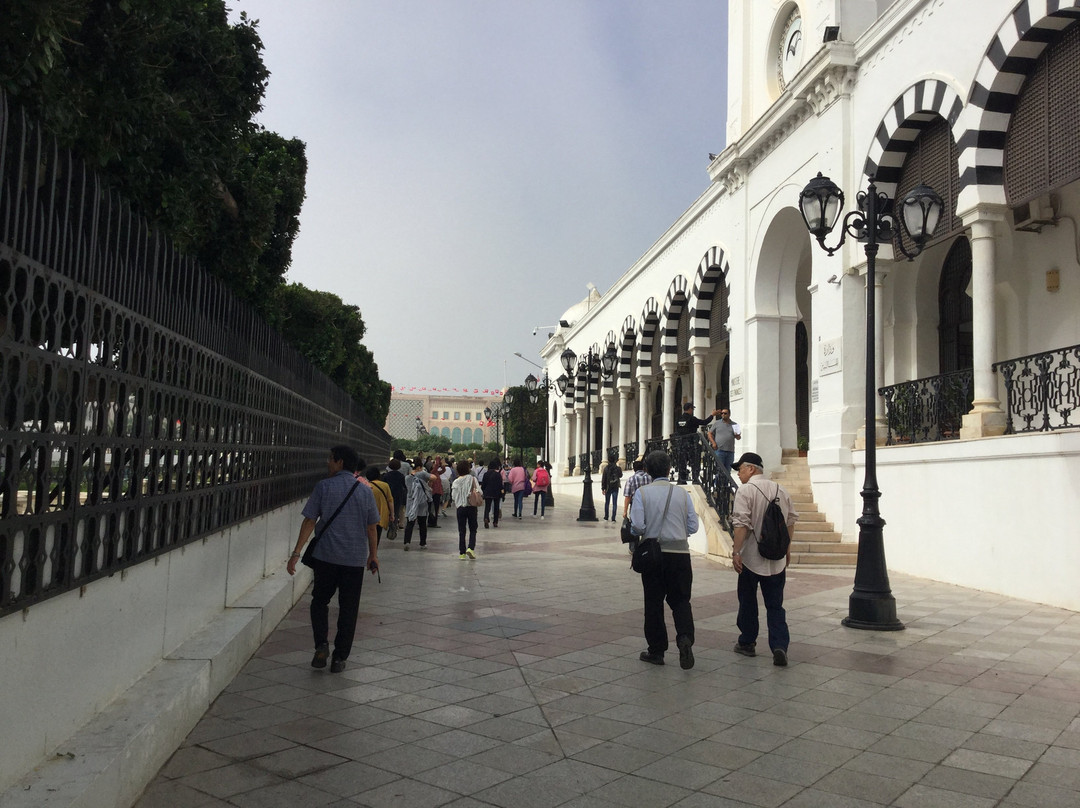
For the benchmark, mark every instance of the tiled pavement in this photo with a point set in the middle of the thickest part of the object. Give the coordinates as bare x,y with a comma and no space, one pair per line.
513,681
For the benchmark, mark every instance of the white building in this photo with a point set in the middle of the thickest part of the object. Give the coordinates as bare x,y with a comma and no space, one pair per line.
737,304
460,418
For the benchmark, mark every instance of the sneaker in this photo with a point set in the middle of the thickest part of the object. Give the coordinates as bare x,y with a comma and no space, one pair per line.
652,659
487,524
745,650
322,651
471,553
423,546
779,657
462,556
337,665
541,516
686,653
406,548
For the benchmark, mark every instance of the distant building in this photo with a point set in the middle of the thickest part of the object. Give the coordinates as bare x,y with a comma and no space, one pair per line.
459,418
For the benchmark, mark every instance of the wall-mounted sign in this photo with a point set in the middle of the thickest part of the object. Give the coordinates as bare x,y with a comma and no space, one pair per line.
735,387
831,358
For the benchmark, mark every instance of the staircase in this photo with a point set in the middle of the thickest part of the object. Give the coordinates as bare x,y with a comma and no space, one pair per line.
815,543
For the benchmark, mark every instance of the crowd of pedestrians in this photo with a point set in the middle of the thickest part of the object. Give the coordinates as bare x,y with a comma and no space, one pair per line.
413,494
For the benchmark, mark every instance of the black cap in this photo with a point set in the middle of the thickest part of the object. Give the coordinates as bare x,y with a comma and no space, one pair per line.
748,457
689,405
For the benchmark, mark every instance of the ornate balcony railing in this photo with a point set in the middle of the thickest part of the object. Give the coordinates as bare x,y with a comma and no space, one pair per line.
596,457
583,461
929,409
143,406
1042,391
631,449
694,461
613,454
571,463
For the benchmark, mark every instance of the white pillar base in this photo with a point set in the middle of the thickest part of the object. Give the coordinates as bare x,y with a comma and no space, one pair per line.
985,420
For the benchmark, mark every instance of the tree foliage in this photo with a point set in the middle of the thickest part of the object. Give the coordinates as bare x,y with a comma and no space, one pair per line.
160,97
525,421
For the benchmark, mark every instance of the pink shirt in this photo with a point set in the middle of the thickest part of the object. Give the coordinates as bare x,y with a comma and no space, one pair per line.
517,477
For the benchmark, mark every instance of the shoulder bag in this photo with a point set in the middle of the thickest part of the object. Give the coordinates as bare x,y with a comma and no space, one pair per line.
307,559
476,496
646,557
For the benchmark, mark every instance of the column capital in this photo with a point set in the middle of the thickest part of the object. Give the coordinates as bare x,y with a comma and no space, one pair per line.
669,366
988,212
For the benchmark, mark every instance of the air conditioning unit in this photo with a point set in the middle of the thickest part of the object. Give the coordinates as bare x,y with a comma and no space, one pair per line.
1032,216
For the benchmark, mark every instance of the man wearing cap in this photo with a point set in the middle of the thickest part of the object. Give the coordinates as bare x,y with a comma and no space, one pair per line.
751,500
685,453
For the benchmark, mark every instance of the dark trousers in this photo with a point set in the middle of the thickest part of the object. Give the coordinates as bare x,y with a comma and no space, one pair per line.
347,582
538,499
772,592
673,583
466,517
423,525
611,498
433,510
491,504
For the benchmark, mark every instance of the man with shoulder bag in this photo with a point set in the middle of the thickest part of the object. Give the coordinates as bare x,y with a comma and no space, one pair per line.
663,512
760,555
345,545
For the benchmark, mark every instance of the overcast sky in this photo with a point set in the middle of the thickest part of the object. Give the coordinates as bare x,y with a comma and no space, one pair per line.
472,164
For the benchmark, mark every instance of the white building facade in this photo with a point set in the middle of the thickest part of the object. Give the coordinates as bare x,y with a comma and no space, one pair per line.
977,338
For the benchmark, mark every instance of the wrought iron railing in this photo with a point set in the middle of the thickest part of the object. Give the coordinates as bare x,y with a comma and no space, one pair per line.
1042,391
693,461
583,461
142,407
631,449
929,409
571,463
596,457
613,454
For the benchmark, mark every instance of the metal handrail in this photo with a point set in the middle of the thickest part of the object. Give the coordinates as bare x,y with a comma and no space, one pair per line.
1043,384
929,409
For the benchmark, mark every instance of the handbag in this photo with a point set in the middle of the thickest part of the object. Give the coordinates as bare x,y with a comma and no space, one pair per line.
308,559
646,557
476,496
625,533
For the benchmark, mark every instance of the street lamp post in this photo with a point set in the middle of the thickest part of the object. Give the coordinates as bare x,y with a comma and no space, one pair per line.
509,400
534,386
591,365
497,414
871,604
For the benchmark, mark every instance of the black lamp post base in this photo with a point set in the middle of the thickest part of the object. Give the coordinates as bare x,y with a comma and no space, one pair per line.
587,512
872,612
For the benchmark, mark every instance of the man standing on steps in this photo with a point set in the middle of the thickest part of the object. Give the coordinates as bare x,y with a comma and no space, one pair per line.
722,435
751,500
685,451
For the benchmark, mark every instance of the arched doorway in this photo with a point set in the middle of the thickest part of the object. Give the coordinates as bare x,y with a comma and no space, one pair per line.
802,384
954,310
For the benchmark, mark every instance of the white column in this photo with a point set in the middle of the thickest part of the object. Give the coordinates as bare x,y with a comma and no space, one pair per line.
986,416
624,401
605,439
881,427
579,436
568,429
669,369
644,401
700,410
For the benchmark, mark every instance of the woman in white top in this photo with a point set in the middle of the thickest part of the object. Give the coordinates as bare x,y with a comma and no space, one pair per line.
464,485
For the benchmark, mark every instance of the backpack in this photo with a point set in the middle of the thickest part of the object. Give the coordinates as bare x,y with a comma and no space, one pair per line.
773,540
542,477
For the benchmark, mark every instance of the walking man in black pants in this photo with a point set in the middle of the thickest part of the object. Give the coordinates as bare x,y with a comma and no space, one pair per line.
347,544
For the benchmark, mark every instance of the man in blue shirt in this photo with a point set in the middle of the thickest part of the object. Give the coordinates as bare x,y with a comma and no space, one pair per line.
347,544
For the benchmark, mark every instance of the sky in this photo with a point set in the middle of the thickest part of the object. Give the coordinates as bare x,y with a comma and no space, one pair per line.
473,164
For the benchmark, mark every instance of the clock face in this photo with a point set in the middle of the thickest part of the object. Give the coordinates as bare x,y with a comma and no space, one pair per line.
790,47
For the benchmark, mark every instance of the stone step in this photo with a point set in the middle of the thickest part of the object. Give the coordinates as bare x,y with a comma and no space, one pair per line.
830,545
822,560
814,527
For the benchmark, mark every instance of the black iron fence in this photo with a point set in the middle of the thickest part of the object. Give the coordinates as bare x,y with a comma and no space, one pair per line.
693,460
1042,391
631,450
929,409
143,407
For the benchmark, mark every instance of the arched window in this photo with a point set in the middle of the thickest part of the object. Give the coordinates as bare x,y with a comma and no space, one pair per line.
1040,145
455,436
954,310
467,435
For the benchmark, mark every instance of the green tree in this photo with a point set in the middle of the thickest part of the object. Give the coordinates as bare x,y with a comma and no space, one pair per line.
160,97
525,421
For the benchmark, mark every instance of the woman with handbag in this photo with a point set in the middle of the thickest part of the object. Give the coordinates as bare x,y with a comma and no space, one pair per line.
467,495
416,509
518,478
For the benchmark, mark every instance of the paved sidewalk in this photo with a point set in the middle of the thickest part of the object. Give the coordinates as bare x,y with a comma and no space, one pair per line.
513,681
